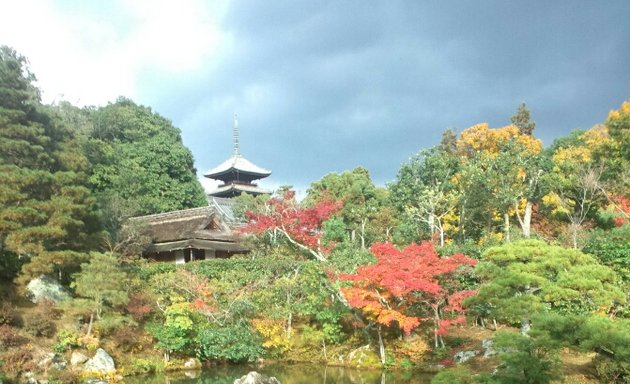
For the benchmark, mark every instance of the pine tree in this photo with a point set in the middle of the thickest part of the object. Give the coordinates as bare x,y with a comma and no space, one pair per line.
522,120
103,282
47,215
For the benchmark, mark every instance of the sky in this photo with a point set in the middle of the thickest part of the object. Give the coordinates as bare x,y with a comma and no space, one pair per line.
326,86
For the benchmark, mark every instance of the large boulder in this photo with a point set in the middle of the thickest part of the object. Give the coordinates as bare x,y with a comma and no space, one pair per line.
256,378
45,288
102,362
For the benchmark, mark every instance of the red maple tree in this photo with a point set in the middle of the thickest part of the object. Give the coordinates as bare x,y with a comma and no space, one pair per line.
384,291
300,226
621,206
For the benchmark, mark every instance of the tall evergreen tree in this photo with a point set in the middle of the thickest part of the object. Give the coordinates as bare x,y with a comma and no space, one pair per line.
522,120
47,215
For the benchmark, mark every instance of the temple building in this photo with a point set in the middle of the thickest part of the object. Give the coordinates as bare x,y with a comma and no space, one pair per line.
237,174
207,232
189,234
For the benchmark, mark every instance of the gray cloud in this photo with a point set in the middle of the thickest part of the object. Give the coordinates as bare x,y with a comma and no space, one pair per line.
327,86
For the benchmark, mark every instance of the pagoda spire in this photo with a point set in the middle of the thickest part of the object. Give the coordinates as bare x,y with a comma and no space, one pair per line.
236,151
237,173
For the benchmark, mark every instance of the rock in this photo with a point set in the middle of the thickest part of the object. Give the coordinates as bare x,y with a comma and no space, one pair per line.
256,378
192,364
53,360
488,348
45,288
362,357
30,378
464,356
77,358
102,362
46,360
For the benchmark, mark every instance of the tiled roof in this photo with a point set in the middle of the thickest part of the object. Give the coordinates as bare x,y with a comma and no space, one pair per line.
230,189
237,163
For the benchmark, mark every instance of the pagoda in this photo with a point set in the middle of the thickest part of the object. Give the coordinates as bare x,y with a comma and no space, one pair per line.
237,174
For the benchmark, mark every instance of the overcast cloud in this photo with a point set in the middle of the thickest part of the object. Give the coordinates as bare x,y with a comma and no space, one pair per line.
325,86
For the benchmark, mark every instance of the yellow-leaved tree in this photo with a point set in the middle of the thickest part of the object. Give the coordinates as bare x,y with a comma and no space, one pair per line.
509,164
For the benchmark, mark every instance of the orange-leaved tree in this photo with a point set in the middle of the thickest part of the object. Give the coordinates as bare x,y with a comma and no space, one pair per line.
401,279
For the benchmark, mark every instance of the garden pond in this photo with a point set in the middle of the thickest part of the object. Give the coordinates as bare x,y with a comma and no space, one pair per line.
287,374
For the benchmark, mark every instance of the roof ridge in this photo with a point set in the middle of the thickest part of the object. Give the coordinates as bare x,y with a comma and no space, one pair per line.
172,213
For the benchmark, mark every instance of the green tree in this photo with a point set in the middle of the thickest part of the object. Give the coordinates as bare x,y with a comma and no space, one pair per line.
424,193
47,215
531,359
530,276
618,124
140,165
361,200
178,331
103,282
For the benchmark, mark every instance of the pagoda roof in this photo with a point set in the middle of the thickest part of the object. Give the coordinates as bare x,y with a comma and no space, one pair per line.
229,190
237,164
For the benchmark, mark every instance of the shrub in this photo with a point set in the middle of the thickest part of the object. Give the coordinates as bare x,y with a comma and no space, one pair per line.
236,343
107,325
143,366
48,309
89,342
525,359
64,376
414,349
128,339
612,248
18,360
9,336
66,339
37,324
272,332
8,315
612,371
457,375
139,306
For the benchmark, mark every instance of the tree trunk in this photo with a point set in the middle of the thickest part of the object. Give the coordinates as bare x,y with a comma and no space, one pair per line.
574,234
506,226
526,220
289,325
89,331
363,223
436,320
381,346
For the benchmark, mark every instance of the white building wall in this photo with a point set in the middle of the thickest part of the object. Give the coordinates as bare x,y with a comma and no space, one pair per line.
179,256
